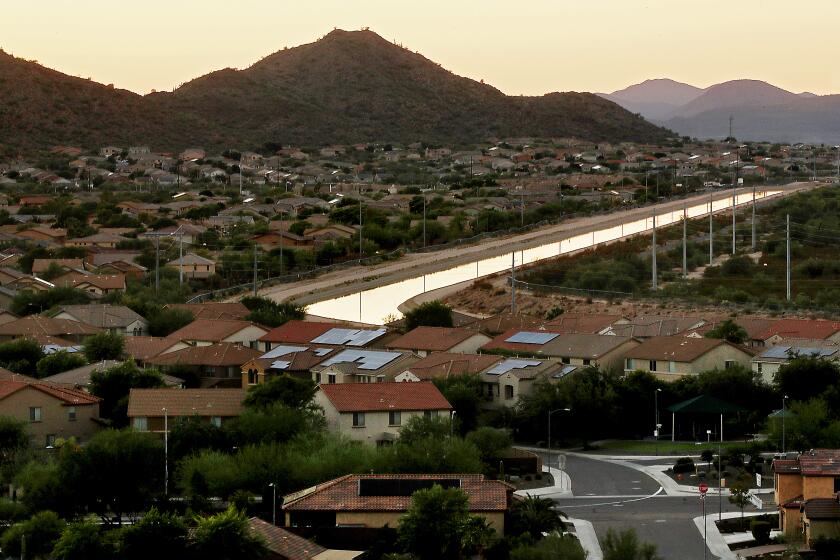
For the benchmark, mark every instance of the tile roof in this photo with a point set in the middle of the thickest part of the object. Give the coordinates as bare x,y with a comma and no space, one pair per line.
654,326
66,395
285,543
41,265
501,342
820,462
98,238
298,332
570,323
191,258
370,397
786,466
342,494
38,325
433,339
822,508
587,346
503,322
144,347
185,402
213,310
211,330
444,364
800,328
676,348
80,376
103,316
221,354
101,281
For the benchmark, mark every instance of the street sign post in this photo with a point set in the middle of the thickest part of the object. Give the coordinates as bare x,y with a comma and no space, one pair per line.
703,488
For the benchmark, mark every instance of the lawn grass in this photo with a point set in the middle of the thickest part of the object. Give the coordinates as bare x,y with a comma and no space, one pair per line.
649,447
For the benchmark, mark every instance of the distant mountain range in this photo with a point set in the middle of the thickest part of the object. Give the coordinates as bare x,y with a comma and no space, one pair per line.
759,111
346,87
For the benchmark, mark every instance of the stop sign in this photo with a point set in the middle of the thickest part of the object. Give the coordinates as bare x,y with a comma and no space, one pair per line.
703,487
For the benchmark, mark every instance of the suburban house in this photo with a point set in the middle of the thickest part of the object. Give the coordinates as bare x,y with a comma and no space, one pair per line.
297,332
26,283
653,326
441,365
282,544
50,411
375,412
143,348
216,365
150,409
113,318
99,284
38,326
425,340
672,357
784,329
203,332
806,489
40,266
194,266
505,382
79,378
56,236
297,361
582,323
380,500
361,366
105,240
771,360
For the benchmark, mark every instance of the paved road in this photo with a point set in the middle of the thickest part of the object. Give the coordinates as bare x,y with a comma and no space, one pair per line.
617,497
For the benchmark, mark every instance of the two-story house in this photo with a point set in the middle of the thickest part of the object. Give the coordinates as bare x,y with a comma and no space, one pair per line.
375,412
806,490
150,410
672,357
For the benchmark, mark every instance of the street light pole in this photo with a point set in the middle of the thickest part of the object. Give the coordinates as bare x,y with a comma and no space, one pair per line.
273,503
784,398
165,452
656,418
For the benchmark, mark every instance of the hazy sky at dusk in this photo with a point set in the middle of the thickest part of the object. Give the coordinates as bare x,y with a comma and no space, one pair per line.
521,47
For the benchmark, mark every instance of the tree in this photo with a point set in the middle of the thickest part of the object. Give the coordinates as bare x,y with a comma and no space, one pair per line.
226,536
21,356
464,394
165,321
491,442
292,392
740,497
819,372
29,302
534,516
37,534
433,526
104,346
82,541
430,314
552,547
729,331
14,439
162,536
114,384
271,423
58,362
627,546
271,313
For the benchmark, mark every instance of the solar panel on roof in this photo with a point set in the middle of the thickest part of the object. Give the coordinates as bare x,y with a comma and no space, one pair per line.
511,363
349,337
282,351
364,359
567,369
279,364
525,337
785,352
322,351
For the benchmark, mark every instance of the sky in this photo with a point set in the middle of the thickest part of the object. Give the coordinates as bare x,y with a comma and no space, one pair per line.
527,48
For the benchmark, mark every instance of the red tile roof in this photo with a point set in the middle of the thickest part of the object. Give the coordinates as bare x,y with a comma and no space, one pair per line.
218,355
342,494
368,397
285,543
102,281
800,328
500,342
67,396
676,348
185,402
35,325
145,347
433,339
820,462
211,330
298,332
822,508
582,323
444,364
214,310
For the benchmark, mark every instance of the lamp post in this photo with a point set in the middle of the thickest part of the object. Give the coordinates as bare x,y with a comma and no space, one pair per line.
273,503
656,424
165,452
451,422
550,412
784,398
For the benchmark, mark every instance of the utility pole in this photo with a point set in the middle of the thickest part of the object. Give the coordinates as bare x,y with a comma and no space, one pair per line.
522,209
685,241
361,252
255,270
240,175
513,282
753,220
711,228
157,263
165,452
281,243
653,252
424,220
734,202
787,268
181,259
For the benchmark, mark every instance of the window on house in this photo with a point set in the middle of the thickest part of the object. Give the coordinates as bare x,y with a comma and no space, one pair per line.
587,361
672,367
141,424
34,413
759,368
652,365
318,377
629,364
728,364
836,484
394,418
331,378
508,391
252,377
50,440
216,421
429,414
358,419
566,360
71,414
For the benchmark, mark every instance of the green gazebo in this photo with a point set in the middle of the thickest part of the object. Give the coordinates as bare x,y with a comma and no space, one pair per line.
704,405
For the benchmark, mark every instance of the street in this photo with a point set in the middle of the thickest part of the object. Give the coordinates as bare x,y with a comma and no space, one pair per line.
619,497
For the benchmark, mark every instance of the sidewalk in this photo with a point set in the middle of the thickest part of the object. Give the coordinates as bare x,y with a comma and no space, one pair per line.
562,487
585,533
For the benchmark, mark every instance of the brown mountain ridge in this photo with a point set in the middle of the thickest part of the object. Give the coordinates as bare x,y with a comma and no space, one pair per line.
350,86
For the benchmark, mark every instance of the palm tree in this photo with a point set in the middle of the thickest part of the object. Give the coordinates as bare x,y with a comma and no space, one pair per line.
535,516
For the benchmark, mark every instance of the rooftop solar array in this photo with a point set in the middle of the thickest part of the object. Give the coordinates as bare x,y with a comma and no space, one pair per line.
321,351
364,359
348,337
525,337
511,364
567,369
784,352
279,364
282,351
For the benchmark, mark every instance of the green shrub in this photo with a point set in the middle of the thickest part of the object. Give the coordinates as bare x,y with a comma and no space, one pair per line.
684,465
760,530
